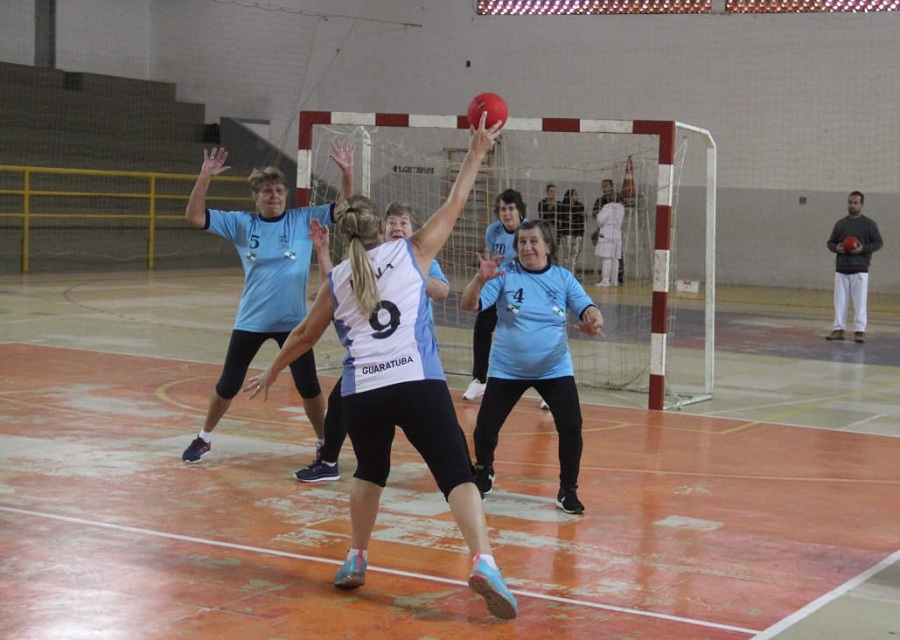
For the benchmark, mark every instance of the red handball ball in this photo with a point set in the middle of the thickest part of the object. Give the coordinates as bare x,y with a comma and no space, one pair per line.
850,243
494,105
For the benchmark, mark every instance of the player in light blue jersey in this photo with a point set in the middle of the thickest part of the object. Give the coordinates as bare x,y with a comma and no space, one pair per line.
400,222
275,251
499,242
533,296
393,376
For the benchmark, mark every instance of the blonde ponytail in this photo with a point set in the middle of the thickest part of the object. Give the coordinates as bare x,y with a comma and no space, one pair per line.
359,227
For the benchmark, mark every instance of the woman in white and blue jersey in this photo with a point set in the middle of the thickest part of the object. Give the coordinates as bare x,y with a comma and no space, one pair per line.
533,297
275,249
393,376
401,220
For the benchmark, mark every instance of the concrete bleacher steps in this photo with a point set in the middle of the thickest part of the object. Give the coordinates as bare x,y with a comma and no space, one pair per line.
58,119
86,120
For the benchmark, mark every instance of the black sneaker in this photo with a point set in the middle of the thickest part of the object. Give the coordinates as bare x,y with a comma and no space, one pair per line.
484,479
568,501
196,450
318,471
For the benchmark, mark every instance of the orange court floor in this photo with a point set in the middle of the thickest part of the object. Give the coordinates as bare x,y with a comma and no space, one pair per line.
770,511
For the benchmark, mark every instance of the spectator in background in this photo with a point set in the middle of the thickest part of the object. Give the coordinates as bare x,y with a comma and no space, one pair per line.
570,232
548,208
609,241
609,195
851,277
609,192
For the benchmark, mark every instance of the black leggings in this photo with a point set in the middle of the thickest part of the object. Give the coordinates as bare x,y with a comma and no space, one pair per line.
424,411
561,394
336,429
244,346
335,432
483,336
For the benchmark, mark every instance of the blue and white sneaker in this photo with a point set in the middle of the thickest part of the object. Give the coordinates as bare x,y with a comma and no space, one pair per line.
352,573
488,583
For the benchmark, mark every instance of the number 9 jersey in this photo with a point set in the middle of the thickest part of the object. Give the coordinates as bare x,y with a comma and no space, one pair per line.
396,343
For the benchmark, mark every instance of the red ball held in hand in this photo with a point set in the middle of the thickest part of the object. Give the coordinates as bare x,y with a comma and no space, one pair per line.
492,103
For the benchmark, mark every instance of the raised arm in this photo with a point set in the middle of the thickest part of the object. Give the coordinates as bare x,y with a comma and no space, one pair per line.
471,294
319,235
437,289
428,240
213,165
342,154
488,269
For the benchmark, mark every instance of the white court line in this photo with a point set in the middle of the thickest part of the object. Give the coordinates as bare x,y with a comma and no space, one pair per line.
865,420
832,595
395,572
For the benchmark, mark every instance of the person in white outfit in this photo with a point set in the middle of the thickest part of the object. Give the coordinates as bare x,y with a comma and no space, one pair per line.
609,241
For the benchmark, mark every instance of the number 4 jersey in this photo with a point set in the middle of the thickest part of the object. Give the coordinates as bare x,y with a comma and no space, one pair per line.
396,343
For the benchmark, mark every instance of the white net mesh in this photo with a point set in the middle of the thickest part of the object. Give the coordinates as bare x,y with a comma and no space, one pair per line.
417,165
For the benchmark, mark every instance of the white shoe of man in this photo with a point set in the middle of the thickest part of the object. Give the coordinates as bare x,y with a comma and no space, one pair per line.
474,390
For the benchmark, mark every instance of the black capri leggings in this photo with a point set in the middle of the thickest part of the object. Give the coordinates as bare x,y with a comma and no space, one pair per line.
425,412
501,395
244,346
482,338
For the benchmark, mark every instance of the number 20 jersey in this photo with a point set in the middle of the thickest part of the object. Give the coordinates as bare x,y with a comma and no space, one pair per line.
396,343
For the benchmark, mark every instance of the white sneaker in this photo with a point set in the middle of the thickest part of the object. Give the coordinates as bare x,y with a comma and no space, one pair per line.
474,390
544,405
603,283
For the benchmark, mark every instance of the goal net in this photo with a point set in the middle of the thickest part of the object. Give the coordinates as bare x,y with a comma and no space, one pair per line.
659,329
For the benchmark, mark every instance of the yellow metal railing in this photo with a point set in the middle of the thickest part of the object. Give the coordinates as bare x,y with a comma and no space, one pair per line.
151,194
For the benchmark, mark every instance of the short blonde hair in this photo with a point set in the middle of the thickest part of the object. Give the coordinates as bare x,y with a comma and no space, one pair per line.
259,177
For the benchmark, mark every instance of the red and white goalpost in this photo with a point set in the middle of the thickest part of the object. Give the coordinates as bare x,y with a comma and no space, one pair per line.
414,158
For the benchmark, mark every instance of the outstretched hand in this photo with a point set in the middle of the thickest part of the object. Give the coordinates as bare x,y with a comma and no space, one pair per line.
489,266
319,234
482,139
591,322
342,153
260,383
214,161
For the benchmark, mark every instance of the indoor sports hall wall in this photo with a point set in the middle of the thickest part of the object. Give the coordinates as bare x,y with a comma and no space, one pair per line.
804,108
